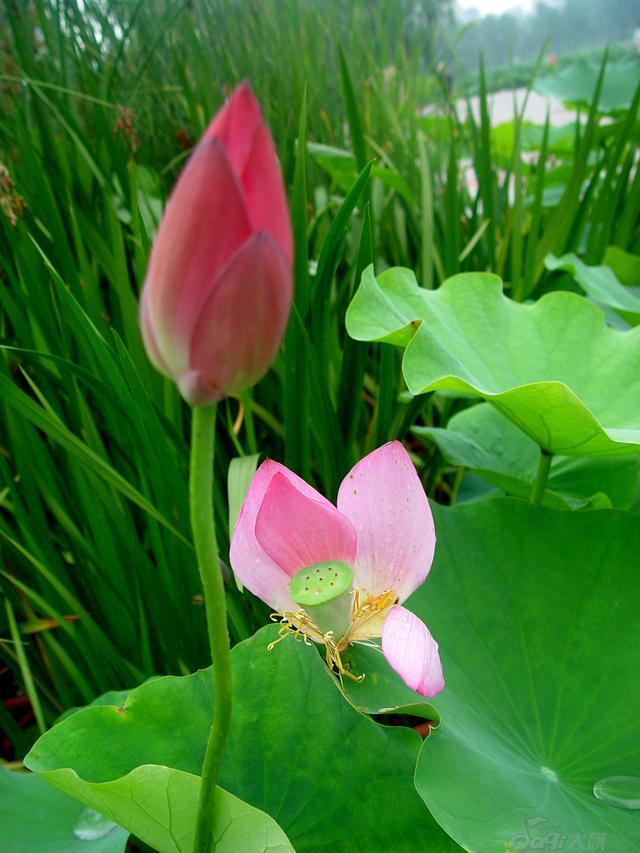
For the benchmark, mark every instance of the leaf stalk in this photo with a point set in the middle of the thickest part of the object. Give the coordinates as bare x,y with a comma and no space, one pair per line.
542,475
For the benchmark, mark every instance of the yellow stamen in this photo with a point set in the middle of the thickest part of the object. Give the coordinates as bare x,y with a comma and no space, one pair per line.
371,606
299,625
334,661
363,608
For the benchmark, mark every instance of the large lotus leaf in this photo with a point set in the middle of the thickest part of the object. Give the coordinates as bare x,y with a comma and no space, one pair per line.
561,139
382,691
36,817
536,612
601,284
554,368
341,166
575,83
330,777
481,439
158,804
111,697
625,265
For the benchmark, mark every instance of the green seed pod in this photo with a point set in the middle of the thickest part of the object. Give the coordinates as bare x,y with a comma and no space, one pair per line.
324,591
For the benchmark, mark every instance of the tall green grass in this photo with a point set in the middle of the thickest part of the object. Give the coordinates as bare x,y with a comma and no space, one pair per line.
99,109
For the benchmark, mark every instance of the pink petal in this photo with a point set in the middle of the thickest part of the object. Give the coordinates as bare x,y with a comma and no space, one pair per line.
250,564
298,530
148,337
204,225
242,131
234,125
383,497
411,650
240,328
265,194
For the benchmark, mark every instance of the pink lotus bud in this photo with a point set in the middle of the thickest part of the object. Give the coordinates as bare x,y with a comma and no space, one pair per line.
218,288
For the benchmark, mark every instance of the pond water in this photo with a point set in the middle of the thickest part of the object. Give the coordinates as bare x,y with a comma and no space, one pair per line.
501,107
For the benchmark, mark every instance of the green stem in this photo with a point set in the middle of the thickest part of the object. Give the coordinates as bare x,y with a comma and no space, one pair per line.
457,479
248,422
206,546
542,476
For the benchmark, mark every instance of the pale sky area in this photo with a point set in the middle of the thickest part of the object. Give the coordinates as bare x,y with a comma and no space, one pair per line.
496,7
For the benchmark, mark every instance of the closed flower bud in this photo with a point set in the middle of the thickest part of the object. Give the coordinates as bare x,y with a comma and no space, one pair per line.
218,288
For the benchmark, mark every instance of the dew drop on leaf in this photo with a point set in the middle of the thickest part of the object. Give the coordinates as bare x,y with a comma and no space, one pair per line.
91,825
549,774
622,791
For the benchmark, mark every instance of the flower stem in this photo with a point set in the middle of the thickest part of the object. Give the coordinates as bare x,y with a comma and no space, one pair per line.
542,474
204,539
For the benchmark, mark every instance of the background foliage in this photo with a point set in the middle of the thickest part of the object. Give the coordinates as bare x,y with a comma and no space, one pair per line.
100,107
565,27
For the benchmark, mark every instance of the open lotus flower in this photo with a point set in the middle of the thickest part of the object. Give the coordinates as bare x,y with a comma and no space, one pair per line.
218,288
339,575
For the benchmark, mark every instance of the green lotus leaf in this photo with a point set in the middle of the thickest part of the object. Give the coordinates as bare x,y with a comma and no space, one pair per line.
536,614
382,691
481,439
554,368
331,777
36,817
158,804
601,284
575,83
561,139
341,166
625,265
111,697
